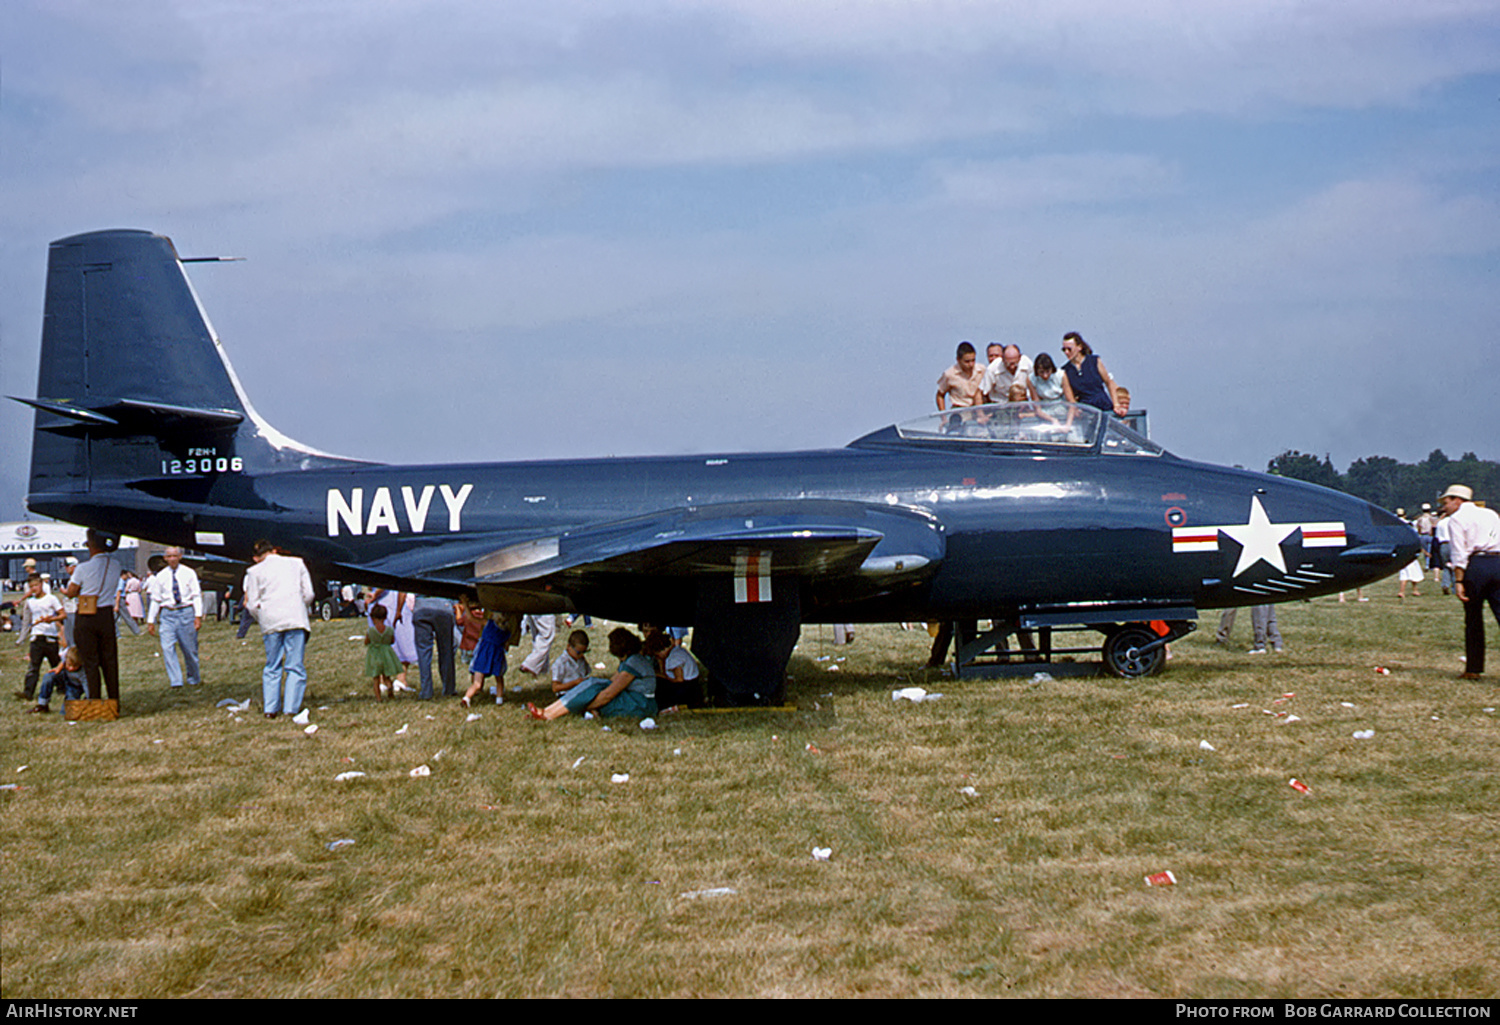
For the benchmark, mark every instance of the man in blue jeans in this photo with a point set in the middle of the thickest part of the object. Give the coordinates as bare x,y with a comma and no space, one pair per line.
277,592
432,622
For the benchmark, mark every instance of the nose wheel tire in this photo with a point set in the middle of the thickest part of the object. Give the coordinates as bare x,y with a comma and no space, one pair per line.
1123,657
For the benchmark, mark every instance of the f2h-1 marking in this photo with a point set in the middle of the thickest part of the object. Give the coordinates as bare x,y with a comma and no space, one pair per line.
349,512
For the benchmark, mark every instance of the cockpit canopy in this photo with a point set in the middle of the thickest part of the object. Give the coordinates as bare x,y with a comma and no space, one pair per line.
1054,428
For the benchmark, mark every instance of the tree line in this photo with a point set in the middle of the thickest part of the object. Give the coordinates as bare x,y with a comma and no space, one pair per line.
1383,481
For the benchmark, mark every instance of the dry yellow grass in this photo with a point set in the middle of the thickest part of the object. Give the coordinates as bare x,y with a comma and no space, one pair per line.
182,852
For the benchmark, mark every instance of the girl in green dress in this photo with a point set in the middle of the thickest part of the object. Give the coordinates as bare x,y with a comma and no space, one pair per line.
381,664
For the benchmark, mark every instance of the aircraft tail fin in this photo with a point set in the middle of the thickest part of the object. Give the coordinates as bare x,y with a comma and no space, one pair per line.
135,394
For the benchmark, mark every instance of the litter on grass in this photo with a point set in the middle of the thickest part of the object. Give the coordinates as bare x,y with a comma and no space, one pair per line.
419,771
1363,734
717,891
340,845
344,777
1161,879
822,853
1299,786
620,777
916,695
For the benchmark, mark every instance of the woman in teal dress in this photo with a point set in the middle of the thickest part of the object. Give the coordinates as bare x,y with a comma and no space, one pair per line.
381,664
630,692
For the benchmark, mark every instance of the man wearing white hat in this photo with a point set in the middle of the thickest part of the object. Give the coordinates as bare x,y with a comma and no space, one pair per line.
1474,543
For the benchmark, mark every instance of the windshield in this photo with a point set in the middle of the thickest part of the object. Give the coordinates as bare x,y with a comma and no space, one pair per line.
1022,424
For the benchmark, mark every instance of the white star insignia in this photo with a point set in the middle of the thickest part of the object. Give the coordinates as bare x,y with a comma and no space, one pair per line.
1260,539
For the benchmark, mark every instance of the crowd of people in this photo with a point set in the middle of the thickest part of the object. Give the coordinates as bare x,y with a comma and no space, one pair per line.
1008,376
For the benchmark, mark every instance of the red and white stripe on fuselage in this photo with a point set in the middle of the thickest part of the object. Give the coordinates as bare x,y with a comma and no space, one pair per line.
752,577
1206,539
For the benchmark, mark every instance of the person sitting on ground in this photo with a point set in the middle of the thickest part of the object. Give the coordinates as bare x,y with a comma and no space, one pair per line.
573,667
69,677
678,680
630,692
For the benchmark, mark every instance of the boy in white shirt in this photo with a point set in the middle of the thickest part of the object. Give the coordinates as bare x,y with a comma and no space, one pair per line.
573,665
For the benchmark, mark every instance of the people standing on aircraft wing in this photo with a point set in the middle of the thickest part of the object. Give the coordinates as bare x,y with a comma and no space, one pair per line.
432,627
1045,382
489,656
95,584
543,629
69,676
573,666
1010,369
381,665
1086,380
1474,550
960,382
278,590
47,619
631,691
176,616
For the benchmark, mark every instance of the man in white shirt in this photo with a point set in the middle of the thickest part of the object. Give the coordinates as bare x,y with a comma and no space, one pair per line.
177,606
1011,368
47,615
1474,544
277,592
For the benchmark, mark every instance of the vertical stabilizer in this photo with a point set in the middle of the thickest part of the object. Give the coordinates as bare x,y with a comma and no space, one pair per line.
136,401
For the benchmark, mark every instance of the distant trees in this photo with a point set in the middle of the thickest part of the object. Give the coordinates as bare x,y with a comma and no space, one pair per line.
1389,484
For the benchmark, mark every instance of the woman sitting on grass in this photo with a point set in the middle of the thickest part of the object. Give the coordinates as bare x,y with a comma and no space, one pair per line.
630,692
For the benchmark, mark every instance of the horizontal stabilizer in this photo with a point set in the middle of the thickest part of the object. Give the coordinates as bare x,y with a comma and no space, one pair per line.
122,417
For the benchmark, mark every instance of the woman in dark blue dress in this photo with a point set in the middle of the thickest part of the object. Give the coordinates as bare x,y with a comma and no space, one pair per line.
1085,379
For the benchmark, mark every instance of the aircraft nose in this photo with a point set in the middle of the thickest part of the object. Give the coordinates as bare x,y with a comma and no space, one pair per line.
1380,545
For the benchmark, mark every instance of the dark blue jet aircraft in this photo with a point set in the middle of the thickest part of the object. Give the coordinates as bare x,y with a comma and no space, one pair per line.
1030,515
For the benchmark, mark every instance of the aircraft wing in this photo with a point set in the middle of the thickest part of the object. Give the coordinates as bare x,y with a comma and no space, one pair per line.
816,539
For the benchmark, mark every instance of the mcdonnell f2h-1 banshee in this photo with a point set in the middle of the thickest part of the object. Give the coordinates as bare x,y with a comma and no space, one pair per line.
1028,515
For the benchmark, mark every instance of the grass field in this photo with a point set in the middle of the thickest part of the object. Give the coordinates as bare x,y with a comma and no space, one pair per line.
184,851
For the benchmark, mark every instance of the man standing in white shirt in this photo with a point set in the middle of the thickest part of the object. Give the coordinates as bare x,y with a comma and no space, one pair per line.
1474,543
277,592
177,605
1011,368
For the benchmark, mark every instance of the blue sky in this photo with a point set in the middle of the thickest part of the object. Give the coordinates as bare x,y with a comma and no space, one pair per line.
481,231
